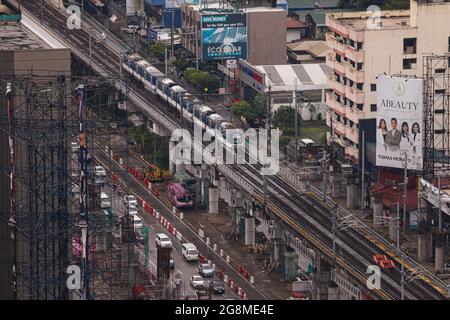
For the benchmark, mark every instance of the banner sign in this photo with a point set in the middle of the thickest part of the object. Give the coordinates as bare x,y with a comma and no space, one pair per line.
399,122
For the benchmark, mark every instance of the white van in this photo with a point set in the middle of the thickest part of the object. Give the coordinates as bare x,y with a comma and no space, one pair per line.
104,201
137,221
189,252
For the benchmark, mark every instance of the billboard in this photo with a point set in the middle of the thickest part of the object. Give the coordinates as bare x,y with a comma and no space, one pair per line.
399,122
224,36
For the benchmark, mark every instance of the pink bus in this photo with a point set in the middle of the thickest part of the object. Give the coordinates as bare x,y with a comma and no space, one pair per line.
178,196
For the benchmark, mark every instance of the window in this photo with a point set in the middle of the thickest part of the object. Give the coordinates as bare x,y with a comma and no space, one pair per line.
409,45
409,63
448,44
359,86
360,106
373,87
373,107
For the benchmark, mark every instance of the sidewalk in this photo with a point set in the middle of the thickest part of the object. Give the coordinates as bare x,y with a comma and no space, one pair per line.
218,227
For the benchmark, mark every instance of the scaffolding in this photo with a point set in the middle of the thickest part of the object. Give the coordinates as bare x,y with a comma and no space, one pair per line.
57,128
436,74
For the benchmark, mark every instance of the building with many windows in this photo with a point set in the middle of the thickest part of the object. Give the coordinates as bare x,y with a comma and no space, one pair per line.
363,49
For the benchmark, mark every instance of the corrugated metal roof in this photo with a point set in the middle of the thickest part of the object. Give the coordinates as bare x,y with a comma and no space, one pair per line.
287,77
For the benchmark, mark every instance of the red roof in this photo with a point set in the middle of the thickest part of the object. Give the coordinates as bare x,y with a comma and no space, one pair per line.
294,24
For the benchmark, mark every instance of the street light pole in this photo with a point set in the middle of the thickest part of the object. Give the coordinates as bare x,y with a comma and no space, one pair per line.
405,186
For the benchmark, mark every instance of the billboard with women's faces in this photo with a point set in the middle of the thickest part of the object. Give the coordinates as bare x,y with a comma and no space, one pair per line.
399,122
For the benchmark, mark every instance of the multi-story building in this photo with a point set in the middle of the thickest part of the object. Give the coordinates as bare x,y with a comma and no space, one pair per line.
263,48
361,50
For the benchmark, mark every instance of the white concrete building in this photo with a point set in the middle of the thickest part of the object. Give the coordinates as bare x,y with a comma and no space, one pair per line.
396,44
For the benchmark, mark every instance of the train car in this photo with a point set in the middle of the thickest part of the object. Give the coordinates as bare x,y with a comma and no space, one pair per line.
188,102
179,197
162,87
129,63
201,113
175,95
151,77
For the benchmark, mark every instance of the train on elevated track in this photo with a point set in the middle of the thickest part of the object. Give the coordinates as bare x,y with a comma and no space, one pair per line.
191,108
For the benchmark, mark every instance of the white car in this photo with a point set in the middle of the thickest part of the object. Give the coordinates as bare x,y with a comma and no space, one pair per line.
130,200
132,210
138,223
99,171
163,241
197,282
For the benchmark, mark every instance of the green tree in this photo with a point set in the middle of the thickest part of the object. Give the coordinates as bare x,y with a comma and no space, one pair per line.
157,49
202,79
181,64
383,4
284,118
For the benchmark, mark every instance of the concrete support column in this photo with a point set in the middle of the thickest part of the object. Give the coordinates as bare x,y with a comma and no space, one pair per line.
337,188
334,292
377,211
393,227
179,167
213,204
250,230
439,258
171,164
351,196
290,265
422,248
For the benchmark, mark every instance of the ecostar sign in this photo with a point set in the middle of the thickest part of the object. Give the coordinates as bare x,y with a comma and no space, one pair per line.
399,122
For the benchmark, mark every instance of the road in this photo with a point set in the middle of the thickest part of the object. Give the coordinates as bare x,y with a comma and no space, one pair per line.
300,211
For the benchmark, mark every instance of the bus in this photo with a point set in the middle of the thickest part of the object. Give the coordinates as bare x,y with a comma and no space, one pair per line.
187,181
179,197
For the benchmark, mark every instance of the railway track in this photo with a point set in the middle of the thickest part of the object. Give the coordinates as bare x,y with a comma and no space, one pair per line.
308,217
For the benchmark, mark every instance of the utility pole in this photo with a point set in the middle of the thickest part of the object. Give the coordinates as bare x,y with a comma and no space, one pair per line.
42,10
294,96
334,227
398,227
440,204
405,186
172,35
196,45
402,280
363,169
324,175
165,60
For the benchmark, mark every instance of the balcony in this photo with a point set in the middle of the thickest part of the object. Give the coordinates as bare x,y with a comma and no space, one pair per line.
335,105
357,96
356,35
332,43
336,27
353,74
334,85
339,67
354,114
352,134
354,55
338,127
351,152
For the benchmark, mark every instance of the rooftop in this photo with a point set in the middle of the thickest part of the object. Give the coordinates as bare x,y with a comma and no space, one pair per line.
310,4
315,48
14,37
392,19
288,77
294,24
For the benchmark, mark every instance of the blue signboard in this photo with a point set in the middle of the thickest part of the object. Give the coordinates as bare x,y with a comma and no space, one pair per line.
152,33
172,15
224,36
